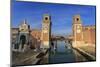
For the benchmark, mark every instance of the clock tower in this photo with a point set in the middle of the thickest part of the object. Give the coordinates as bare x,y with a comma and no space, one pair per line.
46,31
77,31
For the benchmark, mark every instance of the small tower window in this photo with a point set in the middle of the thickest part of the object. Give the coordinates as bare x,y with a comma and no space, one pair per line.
77,19
46,18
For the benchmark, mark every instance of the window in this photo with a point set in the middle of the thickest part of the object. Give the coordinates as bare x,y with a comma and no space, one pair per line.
77,19
46,18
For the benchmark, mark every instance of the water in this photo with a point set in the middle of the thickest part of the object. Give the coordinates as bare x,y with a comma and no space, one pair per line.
62,54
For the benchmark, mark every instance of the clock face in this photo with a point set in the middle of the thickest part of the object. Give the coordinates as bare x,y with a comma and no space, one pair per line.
78,31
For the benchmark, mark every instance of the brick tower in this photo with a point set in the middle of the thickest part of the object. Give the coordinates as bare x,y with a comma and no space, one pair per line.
77,31
46,31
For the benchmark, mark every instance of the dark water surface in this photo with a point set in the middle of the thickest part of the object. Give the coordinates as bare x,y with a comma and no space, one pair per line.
62,54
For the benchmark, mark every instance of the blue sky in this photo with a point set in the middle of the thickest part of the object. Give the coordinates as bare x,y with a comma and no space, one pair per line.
61,15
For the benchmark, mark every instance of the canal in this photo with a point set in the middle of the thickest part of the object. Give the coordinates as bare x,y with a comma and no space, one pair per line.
63,53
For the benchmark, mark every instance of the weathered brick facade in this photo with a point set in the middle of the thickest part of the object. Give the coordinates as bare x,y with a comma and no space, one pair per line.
89,34
36,33
82,35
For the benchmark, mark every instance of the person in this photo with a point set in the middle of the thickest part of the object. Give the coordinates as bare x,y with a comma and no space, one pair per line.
52,44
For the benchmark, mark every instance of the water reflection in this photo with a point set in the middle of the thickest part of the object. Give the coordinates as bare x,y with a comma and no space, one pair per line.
61,53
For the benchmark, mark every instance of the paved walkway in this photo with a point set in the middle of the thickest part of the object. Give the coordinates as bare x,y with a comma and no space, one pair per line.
79,57
89,49
18,58
85,53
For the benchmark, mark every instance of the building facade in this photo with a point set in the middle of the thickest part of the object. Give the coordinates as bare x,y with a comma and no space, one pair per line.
14,34
89,34
36,38
33,38
82,35
21,37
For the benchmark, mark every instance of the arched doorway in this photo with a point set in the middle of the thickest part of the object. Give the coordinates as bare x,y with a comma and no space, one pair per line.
22,40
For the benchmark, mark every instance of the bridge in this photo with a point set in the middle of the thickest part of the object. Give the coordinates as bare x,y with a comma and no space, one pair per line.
56,39
62,38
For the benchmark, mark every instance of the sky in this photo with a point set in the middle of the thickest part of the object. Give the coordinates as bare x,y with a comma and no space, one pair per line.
61,15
